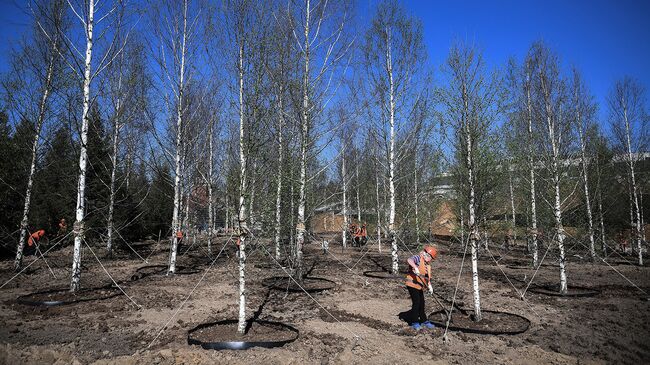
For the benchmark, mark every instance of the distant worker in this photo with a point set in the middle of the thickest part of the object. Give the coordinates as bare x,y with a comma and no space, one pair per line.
33,240
361,236
63,227
417,278
179,238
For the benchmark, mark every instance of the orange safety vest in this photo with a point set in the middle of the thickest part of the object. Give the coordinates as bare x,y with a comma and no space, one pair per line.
35,237
418,281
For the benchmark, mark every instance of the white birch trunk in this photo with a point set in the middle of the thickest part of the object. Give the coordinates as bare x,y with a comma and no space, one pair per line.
358,199
557,212
210,183
251,199
304,134
512,205
585,180
635,199
378,208
243,229
278,195
116,138
32,168
176,224
531,166
345,202
292,208
473,227
391,156
555,175
603,242
83,154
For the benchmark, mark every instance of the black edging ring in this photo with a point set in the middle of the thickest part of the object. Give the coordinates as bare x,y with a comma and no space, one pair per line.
480,331
552,290
239,345
273,282
376,275
23,299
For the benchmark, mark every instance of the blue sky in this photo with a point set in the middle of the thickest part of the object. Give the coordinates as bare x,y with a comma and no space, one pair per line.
604,39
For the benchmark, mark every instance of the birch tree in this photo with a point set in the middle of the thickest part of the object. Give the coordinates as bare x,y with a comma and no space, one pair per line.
319,35
393,55
521,140
42,59
175,27
629,120
470,109
110,12
554,136
584,110
127,88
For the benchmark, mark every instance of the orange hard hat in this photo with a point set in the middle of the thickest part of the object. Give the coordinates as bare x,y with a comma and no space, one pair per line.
431,251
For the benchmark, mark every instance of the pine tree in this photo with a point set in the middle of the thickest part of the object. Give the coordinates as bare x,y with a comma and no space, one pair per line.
54,183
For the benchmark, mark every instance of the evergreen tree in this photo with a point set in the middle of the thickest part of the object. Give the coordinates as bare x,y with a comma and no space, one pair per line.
97,189
55,184
159,205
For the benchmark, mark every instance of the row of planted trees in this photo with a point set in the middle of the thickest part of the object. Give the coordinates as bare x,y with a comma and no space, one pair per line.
249,115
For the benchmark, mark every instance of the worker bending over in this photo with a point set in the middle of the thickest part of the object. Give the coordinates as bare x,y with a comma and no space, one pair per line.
361,236
32,242
417,279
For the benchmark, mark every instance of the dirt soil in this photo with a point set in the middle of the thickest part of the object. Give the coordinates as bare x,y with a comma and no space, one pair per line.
491,322
355,322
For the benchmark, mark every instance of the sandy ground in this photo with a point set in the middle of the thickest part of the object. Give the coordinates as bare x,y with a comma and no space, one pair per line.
356,322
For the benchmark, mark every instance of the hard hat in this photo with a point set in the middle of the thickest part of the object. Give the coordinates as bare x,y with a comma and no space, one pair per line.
431,251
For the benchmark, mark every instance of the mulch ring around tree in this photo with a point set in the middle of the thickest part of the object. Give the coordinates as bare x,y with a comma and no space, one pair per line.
161,270
572,291
491,323
223,335
310,284
57,297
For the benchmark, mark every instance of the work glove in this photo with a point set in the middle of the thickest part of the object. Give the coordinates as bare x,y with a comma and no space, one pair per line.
430,289
416,271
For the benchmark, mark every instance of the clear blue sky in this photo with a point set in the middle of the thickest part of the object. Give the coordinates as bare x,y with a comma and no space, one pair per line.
604,39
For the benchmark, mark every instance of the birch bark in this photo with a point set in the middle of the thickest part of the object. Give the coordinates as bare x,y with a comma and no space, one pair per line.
346,224
278,194
391,156
117,125
304,136
47,86
83,154
176,223
531,166
243,228
635,199
210,185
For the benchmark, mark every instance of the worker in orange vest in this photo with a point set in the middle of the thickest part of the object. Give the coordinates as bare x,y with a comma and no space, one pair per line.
33,240
361,236
417,279
179,237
